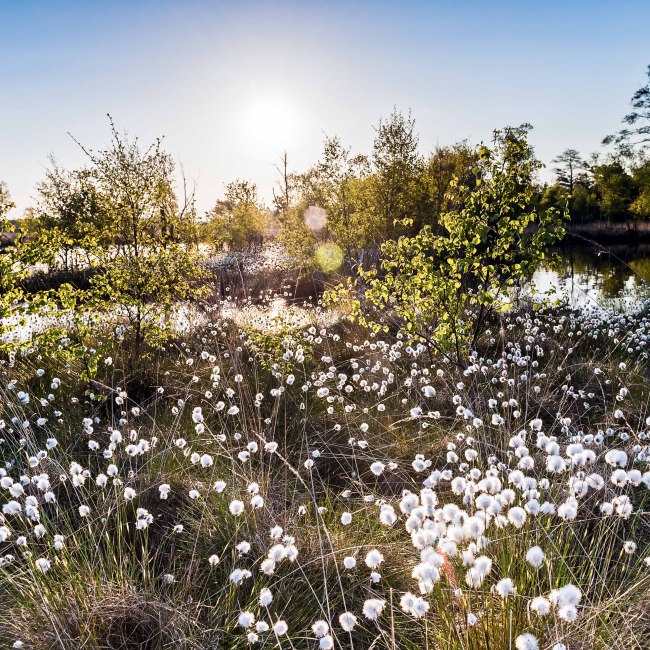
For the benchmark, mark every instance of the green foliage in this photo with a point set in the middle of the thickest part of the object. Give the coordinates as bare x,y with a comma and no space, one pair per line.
346,189
458,162
72,218
6,259
297,238
583,206
615,189
572,176
393,191
496,240
570,169
640,207
291,201
553,196
9,264
240,220
400,192
121,218
15,258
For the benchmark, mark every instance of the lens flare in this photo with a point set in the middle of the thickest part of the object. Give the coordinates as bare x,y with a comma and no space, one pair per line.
329,257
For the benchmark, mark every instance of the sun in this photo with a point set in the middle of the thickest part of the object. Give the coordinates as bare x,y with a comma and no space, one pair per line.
270,122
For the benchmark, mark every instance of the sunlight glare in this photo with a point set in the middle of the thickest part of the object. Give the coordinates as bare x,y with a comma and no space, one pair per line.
270,122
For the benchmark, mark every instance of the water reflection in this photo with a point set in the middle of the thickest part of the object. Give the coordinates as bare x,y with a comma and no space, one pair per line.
595,275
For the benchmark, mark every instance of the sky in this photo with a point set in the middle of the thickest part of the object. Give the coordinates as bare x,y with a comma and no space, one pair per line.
232,84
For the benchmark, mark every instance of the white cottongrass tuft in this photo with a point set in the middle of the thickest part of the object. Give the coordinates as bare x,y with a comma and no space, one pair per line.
526,641
535,556
373,607
347,621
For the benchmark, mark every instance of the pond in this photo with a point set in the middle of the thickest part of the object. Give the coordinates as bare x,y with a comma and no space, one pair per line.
597,275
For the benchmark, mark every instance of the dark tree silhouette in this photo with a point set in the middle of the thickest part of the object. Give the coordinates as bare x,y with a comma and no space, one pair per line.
637,133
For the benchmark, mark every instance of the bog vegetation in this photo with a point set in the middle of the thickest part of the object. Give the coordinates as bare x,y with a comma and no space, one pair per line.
191,460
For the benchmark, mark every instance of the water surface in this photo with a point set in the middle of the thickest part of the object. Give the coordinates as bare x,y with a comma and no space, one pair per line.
597,275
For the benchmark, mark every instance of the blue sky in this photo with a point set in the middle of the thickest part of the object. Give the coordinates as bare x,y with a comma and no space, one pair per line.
232,84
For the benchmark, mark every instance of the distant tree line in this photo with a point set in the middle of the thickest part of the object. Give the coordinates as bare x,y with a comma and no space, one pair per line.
614,187
396,190
366,199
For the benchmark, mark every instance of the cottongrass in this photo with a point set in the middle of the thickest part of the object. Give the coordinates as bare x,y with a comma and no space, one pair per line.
332,489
